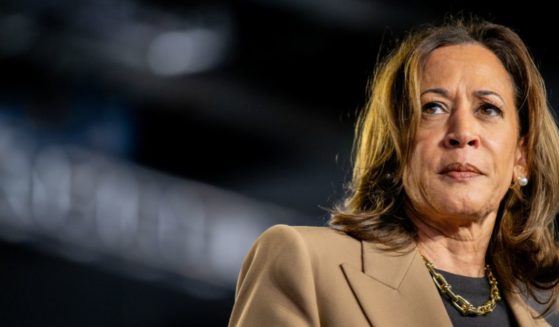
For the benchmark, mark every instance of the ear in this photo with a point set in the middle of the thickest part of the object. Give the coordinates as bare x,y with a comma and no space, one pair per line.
520,162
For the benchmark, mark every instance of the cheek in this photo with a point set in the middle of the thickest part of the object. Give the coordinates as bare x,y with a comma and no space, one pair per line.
424,154
504,156
416,172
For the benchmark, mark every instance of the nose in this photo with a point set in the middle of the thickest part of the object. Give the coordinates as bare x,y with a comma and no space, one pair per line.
462,131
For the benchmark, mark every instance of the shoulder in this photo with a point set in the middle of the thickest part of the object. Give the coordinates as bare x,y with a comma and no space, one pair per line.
319,244
284,271
296,251
282,230
324,237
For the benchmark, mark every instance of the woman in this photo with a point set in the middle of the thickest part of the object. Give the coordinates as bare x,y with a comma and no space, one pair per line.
450,214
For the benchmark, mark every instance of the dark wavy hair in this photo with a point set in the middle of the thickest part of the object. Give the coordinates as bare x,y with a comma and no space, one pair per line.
524,249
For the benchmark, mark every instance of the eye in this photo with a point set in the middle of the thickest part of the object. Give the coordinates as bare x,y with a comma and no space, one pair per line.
433,108
490,110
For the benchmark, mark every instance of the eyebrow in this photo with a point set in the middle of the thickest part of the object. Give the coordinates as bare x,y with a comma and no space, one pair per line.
437,90
482,93
479,93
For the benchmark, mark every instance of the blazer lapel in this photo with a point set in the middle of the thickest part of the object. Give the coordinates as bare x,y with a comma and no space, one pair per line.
395,289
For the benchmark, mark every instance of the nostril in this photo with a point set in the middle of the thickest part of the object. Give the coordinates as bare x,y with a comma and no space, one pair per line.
454,142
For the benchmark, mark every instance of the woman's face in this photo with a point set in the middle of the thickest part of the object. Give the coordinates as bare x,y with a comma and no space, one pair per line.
467,149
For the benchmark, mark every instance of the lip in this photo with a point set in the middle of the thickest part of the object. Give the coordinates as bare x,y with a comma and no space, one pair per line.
461,171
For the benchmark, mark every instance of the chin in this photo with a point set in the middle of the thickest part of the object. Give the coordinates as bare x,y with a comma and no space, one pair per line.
468,212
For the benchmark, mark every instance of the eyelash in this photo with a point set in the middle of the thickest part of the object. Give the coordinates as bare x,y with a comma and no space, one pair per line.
491,106
483,107
430,105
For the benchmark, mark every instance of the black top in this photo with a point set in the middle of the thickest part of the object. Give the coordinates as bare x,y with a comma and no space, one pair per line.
476,291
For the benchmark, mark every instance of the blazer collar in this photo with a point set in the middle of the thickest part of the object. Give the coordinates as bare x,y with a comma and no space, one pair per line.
396,289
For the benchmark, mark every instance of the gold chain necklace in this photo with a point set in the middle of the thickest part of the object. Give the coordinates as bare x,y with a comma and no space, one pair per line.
463,305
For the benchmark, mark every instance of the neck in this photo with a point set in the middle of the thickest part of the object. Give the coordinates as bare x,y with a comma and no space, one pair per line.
460,249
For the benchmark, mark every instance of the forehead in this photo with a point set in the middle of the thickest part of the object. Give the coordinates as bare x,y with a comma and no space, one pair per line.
471,63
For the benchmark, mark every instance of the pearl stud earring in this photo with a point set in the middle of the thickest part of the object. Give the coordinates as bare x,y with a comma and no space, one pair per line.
523,180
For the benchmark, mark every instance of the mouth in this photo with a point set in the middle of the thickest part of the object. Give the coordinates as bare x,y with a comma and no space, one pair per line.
461,171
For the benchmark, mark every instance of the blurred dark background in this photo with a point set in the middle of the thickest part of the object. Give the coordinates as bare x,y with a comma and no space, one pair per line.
145,144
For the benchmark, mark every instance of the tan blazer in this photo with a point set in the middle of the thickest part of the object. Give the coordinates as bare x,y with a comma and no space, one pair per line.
316,276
